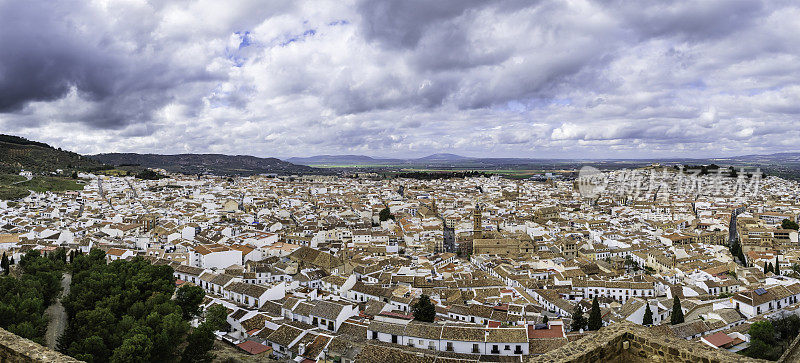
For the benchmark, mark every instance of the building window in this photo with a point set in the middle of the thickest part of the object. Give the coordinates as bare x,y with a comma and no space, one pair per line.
475,348
449,346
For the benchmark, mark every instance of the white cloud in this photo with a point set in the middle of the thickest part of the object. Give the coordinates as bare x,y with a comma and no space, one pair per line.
498,78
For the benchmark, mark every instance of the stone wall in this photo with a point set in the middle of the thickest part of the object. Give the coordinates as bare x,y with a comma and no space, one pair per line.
627,342
14,349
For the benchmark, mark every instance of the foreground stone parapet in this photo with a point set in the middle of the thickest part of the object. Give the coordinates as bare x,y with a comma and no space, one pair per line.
629,343
15,349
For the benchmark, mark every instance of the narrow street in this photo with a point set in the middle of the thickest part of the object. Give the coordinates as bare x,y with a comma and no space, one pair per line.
57,315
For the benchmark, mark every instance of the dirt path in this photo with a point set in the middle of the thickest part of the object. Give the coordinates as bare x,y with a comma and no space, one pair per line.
27,178
57,315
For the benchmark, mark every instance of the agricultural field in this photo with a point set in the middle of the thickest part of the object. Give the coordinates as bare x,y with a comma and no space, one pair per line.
16,187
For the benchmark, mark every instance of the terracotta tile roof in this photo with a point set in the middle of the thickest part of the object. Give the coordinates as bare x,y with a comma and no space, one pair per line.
379,353
326,309
507,335
388,328
463,334
555,331
718,339
252,347
284,335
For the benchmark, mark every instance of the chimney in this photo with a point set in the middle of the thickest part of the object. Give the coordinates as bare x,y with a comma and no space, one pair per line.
301,348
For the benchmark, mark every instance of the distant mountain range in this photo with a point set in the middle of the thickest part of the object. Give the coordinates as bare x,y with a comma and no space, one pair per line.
340,160
781,164
19,153
453,158
368,160
208,163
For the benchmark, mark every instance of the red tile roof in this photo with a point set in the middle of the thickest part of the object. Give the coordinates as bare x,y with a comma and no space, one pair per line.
253,347
718,339
555,331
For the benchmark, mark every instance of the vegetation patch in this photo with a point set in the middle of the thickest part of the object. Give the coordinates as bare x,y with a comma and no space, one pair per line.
24,299
770,338
18,153
7,179
148,174
8,192
123,312
15,186
42,184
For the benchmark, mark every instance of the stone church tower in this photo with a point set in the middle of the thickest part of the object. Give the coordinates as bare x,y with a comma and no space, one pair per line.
477,227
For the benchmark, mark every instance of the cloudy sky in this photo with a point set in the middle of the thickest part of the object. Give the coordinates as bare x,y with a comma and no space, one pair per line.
403,78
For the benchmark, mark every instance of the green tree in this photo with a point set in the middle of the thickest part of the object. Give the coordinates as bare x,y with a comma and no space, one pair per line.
148,174
789,224
595,317
787,327
762,341
777,267
4,264
648,315
25,329
189,297
122,311
677,312
631,264
578,320
217,317
385,214
545,320
766,267
93,349
200,342
424,310
771,268
134,349
24,299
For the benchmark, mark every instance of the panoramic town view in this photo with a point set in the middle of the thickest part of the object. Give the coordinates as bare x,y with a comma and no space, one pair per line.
399,181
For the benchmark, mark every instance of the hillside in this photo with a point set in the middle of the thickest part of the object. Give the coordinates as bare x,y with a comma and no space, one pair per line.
208,163
17,153
443,157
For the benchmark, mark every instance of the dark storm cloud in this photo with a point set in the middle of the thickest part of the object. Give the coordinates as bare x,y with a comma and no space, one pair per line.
402,23
121,63
43,56
692,20
60,46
